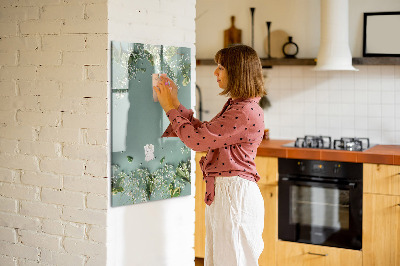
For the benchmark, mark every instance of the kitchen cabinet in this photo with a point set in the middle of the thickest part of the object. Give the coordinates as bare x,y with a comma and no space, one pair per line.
267,168
270,233
381,215
200,207
381,179
381,230
298,254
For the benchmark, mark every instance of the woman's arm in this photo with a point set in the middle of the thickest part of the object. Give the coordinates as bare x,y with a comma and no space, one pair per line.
167,82
228,129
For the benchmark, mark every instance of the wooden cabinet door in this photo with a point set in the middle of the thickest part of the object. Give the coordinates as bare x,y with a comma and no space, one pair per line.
381,230
270,233
200,207
297,254
267,168
381,179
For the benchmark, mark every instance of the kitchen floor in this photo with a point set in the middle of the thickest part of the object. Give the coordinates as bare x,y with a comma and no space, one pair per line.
198,262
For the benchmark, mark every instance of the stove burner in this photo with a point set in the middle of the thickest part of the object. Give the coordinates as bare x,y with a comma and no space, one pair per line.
351,144
308,141
324,142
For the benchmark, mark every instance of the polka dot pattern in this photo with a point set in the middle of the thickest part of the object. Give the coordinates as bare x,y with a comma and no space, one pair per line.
231,139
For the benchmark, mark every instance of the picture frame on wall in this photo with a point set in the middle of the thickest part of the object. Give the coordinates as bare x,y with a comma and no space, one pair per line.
381,36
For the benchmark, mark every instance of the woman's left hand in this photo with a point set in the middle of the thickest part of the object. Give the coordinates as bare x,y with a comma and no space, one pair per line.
164,95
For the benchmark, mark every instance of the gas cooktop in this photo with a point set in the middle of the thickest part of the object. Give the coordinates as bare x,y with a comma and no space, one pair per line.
325,142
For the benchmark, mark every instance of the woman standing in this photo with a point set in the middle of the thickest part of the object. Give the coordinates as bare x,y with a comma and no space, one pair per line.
235,207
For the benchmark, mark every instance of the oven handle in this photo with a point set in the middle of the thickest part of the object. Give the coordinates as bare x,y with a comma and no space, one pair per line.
298,181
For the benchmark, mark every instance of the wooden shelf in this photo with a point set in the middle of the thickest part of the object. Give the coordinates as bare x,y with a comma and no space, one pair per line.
312,61
376,61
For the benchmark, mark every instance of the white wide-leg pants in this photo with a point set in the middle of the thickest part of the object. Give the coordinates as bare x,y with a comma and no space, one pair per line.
234,223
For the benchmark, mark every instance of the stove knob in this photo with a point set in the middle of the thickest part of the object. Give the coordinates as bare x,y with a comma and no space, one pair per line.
301,166
336,169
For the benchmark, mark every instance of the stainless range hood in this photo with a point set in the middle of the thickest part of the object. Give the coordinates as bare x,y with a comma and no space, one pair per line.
334,52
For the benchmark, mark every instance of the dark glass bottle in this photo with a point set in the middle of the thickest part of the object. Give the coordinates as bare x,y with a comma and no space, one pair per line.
290,49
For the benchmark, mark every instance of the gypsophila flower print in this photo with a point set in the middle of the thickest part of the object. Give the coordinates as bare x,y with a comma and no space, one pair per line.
146,167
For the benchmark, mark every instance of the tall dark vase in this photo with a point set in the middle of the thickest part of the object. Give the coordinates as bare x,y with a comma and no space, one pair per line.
269,38
252,9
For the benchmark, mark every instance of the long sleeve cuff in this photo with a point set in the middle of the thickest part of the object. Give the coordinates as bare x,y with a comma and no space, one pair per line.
169,132
182,111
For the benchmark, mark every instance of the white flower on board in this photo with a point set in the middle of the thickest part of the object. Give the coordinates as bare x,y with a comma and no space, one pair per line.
149,152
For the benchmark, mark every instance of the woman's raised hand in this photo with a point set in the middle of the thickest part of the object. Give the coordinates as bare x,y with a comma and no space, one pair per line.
164,93
174,90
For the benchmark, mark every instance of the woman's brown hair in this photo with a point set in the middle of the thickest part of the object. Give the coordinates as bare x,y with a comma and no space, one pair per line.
245,78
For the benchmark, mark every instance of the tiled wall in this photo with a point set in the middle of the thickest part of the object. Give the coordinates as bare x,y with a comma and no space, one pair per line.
338,104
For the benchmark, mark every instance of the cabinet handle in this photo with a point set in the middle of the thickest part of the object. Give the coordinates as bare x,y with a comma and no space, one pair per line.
318,254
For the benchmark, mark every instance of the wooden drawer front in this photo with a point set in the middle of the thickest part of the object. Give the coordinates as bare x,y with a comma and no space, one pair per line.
381,230
381,179
267,168
200,207
270,233
294,254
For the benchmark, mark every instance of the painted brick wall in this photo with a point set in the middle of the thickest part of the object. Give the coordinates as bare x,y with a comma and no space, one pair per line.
53,122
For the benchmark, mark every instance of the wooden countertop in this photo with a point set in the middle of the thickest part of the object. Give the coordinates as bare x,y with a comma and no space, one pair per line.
379,154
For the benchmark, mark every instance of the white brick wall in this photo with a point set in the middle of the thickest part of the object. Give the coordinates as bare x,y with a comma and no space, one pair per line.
53,121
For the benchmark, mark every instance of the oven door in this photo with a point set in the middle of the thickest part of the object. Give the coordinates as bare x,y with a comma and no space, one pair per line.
321,212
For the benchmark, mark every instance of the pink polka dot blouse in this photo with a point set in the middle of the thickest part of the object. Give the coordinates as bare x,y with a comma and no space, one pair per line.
231,139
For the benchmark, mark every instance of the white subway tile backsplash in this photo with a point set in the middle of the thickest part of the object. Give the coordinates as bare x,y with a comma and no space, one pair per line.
361,110
348,96
310,109
322,121
284,72
374,111
388,97
338,104
361,123
348,122
335,95
397,110
388,110
374,84
322,109
387,72
322,95
374,97
334,109
297,72
335,122
375,136
374,123
397,71
347,110
284,83
286,120
297,84
360,97
388,124
388,84
374,70
389,136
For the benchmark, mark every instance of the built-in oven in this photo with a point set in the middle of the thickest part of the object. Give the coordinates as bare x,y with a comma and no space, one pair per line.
320,202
